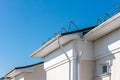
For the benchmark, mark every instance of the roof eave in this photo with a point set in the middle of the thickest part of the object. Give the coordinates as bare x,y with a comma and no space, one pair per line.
19,70
41,48
13,73
104,28
53,45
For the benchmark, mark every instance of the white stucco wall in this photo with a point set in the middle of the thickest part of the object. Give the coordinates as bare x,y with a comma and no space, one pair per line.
86,59
87,70
37,74
107,51
60,72
86,48
108,44
57,65
58,56
18,77
94,54
114,67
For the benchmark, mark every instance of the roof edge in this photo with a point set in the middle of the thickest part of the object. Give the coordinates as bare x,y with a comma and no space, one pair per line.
102,25
61,35
22,67
80,30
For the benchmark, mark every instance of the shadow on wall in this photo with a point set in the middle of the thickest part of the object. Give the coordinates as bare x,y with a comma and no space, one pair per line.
109,46
100,64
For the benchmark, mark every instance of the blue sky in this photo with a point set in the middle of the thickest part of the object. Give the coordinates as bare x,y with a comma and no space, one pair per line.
26,24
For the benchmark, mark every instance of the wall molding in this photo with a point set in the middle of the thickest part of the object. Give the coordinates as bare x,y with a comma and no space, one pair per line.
108,53
58,64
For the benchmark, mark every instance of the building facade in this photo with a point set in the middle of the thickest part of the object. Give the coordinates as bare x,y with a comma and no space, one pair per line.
30,72
88,54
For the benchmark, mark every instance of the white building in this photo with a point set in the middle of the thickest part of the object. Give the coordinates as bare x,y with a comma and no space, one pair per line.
30,72
88,54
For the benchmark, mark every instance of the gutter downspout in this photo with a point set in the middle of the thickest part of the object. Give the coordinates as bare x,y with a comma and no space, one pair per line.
78,62
78,65
65,55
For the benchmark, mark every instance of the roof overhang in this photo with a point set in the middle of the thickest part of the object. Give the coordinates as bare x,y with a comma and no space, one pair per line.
16,72
106,27
53,45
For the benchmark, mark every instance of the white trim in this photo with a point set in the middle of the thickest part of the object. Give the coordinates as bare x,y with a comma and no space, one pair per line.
58,64
103,75
102,25
19,71
48,43
114,51
102,65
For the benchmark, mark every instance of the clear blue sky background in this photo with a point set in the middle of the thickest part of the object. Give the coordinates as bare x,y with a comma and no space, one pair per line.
25,24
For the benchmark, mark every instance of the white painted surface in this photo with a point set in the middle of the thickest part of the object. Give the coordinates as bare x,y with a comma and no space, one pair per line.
37,74
59,73
107,50
19,77
51,45
56,64
58,57
114,67
87,70
104,28
107,44
86,48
